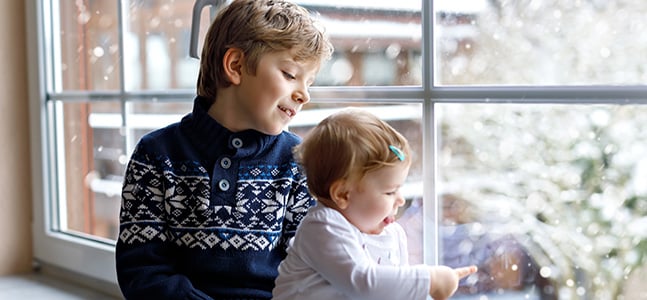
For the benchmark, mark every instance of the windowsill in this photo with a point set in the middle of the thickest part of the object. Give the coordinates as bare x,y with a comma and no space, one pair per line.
55,285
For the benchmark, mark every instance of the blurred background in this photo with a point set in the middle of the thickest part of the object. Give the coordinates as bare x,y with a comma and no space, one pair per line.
547,197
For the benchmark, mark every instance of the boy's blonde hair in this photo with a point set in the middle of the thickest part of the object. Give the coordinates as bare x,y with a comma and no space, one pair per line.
347,145
258,27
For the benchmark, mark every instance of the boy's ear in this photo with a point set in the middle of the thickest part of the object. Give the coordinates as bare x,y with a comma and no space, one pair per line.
232,63
339,194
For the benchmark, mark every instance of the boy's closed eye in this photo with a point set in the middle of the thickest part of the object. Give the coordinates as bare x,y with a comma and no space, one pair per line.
288,75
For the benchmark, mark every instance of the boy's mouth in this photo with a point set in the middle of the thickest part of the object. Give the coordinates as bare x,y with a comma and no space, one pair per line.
290,112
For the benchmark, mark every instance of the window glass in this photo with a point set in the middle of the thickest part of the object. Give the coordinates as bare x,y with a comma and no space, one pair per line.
87,56
90,159
157,40
375,43
480,42
548,200
92,149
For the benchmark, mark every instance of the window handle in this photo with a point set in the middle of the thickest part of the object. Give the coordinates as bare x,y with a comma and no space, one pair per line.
198,6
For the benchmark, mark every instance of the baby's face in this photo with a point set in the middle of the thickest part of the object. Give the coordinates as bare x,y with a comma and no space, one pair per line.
373,203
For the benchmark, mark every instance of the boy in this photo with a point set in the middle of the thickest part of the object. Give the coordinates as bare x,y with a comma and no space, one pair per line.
349,246
209,203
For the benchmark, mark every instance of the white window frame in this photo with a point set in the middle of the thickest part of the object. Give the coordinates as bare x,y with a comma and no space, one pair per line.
96,259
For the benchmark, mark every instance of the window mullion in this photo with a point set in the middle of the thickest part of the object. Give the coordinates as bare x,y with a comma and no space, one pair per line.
430,221
542,94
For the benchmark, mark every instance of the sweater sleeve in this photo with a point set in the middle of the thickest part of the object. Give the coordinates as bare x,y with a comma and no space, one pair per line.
297,205
144,257
333,249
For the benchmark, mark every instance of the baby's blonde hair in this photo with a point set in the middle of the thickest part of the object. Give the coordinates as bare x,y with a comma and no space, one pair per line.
347,145
258,27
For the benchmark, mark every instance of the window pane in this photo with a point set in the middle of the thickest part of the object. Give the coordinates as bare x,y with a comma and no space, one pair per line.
88,58
546,199
377,43
91,143
91,160
540,42
157,40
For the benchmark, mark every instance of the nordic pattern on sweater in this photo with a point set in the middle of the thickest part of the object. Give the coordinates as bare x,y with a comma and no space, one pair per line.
250,224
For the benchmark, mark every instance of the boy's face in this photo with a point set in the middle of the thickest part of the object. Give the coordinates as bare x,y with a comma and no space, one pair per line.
373,202
275,94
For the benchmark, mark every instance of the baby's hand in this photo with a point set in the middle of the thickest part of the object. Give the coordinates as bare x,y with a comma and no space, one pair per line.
444,280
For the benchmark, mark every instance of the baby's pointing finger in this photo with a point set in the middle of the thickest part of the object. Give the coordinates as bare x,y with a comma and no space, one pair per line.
465,271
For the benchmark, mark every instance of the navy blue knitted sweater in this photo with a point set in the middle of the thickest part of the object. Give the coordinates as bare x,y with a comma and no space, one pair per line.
206,212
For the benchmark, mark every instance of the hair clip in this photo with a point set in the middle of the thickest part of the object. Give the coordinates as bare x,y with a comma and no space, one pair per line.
397,152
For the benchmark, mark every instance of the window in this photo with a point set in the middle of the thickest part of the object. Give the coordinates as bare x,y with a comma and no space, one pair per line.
527,120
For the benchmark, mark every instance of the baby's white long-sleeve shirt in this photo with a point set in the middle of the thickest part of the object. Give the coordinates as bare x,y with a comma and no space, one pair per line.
329,258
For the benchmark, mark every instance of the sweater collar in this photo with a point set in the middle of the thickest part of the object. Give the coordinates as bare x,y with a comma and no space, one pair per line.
213,140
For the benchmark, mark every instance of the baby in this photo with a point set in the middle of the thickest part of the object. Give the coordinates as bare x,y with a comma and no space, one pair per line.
348,246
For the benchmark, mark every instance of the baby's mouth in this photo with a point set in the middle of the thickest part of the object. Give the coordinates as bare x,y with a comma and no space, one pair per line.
388,220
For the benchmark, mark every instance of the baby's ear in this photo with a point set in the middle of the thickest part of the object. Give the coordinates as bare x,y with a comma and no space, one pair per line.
232,62
339,193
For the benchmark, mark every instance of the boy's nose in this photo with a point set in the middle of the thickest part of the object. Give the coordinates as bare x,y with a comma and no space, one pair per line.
301,97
